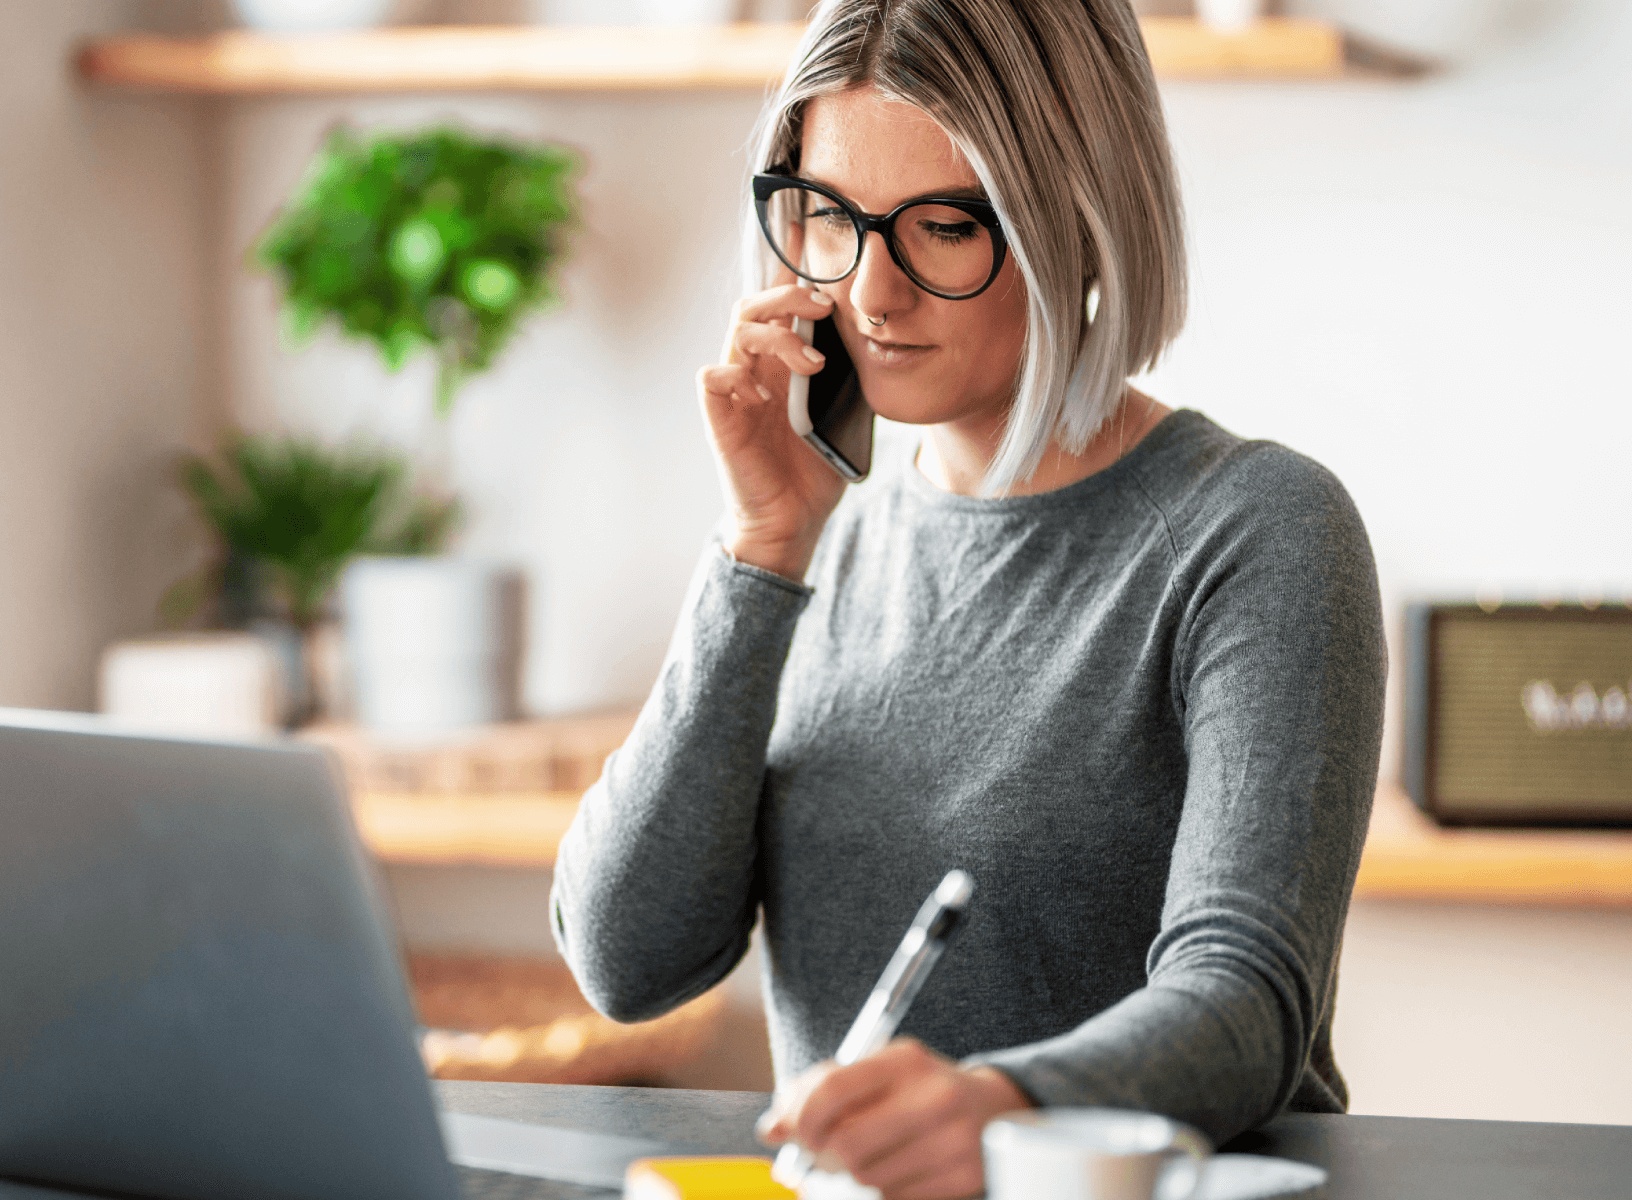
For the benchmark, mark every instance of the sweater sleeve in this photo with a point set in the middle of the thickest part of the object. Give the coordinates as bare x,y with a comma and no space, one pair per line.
655,891
1278,674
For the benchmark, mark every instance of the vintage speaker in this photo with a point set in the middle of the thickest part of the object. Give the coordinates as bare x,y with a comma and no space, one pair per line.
1519,715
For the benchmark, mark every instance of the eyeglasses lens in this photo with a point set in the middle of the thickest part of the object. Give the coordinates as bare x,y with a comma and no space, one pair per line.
813,232
945,248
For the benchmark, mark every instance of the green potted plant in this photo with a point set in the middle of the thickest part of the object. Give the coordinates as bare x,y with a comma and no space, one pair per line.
289,515
434,241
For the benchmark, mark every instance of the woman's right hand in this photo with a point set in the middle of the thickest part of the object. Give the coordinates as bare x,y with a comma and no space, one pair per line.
778,490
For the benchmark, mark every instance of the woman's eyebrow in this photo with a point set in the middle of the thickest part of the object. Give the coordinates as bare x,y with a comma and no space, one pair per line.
960,192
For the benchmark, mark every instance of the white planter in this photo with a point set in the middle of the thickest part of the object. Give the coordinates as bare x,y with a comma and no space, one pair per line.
433,644
636,12
310,16
208,684
1230,16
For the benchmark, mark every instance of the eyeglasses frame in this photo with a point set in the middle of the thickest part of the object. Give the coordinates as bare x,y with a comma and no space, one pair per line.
883,224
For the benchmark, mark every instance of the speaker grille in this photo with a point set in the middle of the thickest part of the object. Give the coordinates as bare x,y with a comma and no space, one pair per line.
1531,713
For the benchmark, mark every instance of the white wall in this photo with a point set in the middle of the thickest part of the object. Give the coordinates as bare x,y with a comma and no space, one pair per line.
105,338
1494,1014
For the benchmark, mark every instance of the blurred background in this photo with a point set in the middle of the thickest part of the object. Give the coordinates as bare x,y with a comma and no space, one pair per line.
1416,273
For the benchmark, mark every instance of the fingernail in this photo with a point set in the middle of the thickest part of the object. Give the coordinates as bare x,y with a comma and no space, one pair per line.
764,392
820,297
814,354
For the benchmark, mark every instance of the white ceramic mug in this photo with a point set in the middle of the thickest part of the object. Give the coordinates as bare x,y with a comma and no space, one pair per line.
1091,1154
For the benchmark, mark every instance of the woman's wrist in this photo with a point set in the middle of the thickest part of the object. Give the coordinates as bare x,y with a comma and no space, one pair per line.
787,559
999,1093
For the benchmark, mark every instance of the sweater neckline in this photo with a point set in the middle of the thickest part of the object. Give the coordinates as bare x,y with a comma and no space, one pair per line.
1164,432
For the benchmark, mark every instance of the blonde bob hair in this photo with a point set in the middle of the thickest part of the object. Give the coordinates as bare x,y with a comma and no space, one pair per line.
1054,105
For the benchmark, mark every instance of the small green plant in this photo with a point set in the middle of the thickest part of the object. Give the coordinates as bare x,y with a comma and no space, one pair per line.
293,512
431,240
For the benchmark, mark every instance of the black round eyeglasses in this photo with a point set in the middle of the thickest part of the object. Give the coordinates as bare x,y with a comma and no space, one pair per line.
951,247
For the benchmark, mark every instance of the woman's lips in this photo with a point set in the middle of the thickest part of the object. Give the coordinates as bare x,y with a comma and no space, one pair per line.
895,354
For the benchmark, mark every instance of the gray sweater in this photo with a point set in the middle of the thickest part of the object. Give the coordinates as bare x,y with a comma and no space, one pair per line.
1143,711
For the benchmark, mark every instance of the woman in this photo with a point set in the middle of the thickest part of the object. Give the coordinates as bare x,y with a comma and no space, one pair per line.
1120,665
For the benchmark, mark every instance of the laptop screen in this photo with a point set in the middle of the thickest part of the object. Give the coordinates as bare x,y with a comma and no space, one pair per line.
199,998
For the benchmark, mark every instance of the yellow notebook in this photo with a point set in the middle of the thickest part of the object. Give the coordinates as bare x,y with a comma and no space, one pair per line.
702,1179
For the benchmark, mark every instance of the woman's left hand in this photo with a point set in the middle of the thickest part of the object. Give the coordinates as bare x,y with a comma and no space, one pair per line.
904,1120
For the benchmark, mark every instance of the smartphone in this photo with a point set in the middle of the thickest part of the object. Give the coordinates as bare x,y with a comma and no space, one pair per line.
827,409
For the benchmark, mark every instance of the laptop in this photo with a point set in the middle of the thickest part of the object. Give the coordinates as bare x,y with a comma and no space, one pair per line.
199,997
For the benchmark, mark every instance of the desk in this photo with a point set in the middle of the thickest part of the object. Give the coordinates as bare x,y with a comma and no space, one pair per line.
1370,1158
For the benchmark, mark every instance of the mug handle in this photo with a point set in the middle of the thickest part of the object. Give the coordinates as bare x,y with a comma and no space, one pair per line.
1189,1144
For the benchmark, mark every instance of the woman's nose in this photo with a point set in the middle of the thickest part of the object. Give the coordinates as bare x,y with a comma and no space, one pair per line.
879,286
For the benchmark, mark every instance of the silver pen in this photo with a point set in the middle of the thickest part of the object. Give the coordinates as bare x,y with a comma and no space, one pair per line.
892,995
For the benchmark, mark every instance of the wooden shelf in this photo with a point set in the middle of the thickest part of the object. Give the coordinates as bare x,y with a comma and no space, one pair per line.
1408,857
1274,48
527,58
504,796
444,58
472,830
541,756
498,796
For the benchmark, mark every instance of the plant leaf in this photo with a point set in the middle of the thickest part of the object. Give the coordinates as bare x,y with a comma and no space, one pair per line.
358,242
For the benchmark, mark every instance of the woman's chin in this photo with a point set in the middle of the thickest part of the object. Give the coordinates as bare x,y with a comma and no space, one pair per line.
909,406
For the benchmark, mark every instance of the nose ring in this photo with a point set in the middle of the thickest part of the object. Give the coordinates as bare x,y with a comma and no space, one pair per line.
878,322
